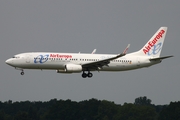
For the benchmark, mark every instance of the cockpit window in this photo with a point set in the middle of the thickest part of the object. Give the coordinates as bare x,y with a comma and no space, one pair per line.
15,57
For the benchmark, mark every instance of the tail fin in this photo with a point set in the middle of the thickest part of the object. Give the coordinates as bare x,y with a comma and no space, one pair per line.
154,46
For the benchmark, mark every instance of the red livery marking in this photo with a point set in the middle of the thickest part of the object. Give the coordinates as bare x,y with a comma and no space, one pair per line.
153,42
60,56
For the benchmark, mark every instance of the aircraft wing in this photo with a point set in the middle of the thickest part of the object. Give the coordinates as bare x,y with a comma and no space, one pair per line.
99,64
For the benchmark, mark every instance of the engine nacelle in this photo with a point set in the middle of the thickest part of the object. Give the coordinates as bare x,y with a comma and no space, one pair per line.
70,68
73,68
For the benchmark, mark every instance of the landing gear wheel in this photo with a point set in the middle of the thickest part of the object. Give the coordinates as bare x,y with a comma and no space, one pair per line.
22,73
90,75
84,75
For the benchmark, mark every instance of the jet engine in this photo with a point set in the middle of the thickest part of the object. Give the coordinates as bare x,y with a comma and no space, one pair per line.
70,68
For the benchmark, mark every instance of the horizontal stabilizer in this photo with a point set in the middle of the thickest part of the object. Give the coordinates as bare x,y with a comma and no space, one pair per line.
160,58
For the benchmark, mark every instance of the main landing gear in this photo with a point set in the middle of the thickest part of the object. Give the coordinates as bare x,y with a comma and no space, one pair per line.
89,74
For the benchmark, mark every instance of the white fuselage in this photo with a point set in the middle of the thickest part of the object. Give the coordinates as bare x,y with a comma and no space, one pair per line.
57,61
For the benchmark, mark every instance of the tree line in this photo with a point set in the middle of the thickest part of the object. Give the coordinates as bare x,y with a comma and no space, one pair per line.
92,109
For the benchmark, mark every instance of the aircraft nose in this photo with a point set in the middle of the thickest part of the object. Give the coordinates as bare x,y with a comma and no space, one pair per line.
8,61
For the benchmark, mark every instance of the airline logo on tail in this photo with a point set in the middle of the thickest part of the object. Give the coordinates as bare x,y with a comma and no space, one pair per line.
151,44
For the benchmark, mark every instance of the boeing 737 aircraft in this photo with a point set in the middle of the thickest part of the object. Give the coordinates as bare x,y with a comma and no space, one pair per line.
85,63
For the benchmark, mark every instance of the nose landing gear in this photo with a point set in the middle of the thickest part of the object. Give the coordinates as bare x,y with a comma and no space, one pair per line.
22,73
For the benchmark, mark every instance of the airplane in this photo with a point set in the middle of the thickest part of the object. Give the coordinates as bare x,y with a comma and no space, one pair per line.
147,56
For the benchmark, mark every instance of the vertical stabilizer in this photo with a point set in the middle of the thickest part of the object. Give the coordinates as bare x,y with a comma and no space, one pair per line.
154,46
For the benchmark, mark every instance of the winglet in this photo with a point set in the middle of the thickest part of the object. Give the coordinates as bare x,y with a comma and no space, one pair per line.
125,51
94,51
